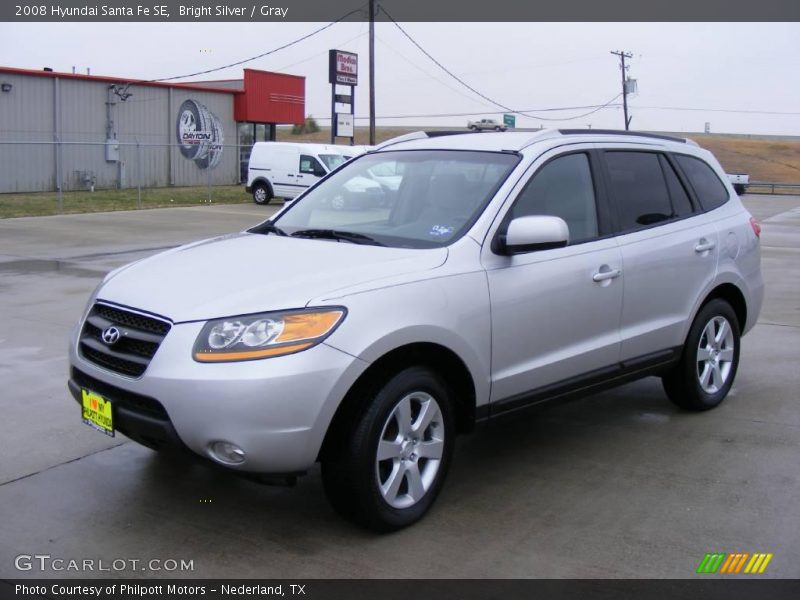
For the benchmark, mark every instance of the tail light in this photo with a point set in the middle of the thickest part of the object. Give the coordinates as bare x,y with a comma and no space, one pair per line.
756,227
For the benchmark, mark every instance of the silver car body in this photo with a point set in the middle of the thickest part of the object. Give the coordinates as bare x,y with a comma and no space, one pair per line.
517,323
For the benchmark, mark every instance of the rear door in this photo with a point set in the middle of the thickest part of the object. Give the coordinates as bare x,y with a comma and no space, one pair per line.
669,251
555,312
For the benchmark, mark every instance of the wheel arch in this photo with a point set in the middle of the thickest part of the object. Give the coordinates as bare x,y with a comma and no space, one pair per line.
439,358
266,182
733,296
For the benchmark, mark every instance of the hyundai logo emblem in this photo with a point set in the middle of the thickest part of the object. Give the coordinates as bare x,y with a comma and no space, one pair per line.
110,335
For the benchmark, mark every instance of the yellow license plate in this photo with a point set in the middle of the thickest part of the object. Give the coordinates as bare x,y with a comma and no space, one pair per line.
97,412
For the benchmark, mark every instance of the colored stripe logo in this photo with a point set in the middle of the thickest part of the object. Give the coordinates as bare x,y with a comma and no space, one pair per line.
735,563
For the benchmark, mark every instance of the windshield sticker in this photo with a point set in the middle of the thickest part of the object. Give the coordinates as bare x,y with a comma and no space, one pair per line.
440,230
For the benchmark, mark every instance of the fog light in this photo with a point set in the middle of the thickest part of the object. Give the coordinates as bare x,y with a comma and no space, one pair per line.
227,453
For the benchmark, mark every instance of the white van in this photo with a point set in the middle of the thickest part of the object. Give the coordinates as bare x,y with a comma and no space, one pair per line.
285,169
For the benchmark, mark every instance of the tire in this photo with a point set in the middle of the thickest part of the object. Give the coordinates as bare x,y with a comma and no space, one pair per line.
391,464
498,129
474,128
192,118
262,194
705,373
213,153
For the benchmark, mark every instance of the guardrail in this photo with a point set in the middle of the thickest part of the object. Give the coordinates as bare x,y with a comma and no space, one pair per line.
772,187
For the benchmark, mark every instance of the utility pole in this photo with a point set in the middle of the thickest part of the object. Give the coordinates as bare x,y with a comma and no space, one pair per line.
622,56
371,73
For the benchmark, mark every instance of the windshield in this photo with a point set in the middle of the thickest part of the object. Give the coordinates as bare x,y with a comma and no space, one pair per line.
411,199
332,160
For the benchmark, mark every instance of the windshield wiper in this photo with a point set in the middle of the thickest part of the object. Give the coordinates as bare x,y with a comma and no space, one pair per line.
268,227
339,236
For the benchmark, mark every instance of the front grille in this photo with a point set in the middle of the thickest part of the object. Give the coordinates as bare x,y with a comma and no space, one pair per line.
139,339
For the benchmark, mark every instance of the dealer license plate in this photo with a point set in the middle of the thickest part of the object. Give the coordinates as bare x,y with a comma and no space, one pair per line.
97,412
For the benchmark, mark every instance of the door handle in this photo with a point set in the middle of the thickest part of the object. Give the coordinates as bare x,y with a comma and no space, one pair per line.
704,246
605,275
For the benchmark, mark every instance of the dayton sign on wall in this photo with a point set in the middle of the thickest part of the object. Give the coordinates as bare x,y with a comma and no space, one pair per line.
199,133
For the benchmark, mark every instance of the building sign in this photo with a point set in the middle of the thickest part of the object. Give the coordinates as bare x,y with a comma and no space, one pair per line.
344,125
342,67
199,134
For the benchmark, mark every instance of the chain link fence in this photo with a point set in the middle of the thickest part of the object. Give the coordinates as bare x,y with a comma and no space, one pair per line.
54,177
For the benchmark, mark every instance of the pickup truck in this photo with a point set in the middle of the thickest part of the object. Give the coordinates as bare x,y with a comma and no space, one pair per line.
486,124
740,182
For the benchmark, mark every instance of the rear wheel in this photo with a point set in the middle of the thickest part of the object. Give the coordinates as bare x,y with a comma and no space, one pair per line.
705,374
261,193
391,465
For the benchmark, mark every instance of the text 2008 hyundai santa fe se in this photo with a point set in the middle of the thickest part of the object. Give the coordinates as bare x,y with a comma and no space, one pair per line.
497,271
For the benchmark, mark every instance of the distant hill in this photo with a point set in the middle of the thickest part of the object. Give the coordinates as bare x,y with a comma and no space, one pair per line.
764,158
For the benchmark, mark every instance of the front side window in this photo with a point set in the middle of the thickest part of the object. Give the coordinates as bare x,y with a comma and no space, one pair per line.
638,188
562,188
310,165
709,189
409,199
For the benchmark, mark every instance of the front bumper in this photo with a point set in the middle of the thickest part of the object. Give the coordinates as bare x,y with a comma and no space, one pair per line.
277,410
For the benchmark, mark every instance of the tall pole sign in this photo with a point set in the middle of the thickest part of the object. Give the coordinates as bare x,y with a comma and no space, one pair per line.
343,70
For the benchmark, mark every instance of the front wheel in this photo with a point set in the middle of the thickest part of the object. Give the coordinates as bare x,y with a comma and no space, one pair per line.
261,194
705,373
393,461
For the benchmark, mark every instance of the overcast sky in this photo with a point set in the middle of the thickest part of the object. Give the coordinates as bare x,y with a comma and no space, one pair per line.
525,66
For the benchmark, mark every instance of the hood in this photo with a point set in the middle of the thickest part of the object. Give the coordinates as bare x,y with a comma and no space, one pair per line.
248,273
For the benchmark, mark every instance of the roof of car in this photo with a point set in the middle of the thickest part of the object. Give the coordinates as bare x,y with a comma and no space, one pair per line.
515,140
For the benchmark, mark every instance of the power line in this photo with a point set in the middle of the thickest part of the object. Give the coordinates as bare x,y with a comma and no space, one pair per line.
263,54
720,110
596,107
482,95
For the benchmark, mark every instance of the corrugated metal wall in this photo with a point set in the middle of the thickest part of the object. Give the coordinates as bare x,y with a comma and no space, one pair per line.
27,114
145,125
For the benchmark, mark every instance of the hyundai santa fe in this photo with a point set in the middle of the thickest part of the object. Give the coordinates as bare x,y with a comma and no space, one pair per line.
497,271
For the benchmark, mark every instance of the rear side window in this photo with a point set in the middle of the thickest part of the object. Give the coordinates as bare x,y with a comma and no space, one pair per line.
638,188
709,189
562,188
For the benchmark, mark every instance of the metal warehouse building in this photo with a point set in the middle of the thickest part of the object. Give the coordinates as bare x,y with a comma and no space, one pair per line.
70,131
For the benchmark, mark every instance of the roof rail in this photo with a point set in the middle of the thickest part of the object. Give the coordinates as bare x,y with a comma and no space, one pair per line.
620,132
418,135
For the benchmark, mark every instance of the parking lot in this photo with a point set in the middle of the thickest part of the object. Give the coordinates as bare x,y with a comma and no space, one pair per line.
620,484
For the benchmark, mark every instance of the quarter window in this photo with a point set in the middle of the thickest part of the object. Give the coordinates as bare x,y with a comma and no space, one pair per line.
709,189
562,188
638,188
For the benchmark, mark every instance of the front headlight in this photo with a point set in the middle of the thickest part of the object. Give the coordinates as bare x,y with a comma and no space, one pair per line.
264,335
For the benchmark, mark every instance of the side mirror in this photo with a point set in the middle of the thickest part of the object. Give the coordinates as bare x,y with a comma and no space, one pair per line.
527,234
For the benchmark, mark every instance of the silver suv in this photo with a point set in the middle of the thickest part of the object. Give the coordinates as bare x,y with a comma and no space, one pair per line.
498,271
